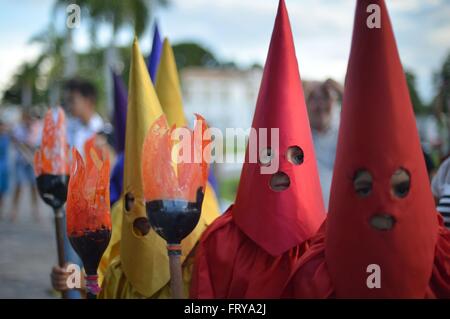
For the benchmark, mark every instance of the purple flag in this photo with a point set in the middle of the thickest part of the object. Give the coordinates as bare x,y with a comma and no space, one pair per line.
155,55
120,112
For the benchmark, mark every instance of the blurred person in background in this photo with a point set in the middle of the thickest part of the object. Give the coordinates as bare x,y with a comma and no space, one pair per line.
25,137
4,175
80,98
322,99
431,167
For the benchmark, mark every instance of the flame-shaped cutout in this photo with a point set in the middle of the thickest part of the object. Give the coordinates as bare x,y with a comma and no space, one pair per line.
91,145
165,175
53,156
88,196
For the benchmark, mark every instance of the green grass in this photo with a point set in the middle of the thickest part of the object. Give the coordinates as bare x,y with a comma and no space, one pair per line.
228,188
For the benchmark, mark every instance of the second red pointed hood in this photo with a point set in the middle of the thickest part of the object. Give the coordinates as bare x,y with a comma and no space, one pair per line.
280,220
378,134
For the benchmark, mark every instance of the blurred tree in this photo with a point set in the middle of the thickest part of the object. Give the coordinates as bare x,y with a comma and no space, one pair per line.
33,81
441,102
52,52
193,54
418,106
117,13
51,59
25,89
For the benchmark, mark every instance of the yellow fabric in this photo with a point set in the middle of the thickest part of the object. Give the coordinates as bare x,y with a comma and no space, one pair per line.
143,258
116,285
168,89
210,209
113,249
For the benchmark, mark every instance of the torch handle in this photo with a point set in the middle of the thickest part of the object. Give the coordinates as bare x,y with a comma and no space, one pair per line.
90,296
176,277
59,231
92,286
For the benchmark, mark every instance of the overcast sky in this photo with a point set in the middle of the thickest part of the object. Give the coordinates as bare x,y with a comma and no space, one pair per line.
240,30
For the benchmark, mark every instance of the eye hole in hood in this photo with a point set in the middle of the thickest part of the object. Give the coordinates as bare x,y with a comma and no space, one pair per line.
400,183
295,155
362,183
266,156
129,201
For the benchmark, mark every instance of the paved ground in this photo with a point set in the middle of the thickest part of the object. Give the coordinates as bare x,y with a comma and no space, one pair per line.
27,252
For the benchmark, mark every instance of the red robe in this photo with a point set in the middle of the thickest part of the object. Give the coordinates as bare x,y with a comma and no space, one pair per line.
228,264
311,279
352,256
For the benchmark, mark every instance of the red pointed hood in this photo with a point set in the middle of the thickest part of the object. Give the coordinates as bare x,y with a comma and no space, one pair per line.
378,134
280,220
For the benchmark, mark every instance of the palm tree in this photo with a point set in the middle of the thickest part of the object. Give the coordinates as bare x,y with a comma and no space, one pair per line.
58,56
23,89
117,13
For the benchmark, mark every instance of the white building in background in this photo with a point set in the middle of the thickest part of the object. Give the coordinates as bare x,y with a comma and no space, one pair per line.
224,97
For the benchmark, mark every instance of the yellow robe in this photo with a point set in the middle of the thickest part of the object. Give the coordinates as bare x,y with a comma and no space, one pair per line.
111,276
116,285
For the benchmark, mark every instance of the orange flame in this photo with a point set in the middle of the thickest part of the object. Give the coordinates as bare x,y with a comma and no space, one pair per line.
53,156
92,143
88,195
164,174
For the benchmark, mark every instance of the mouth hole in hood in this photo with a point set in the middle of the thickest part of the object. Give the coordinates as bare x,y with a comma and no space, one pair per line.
382,222
141,226
279,182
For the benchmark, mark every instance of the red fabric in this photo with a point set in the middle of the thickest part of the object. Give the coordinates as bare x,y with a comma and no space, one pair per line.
311,278
278,221
439,286
228,264
250,250
378,133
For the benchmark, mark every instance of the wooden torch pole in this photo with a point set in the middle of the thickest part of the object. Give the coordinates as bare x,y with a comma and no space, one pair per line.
176,277
59,231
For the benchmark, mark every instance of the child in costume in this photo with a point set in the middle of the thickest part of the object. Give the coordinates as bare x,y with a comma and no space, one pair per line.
383,237
250,250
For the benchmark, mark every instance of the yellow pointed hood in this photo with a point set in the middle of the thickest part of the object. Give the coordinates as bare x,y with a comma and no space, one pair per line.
167,87
144,258
169,94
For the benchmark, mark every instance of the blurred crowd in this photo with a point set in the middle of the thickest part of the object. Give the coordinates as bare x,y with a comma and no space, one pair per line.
19,141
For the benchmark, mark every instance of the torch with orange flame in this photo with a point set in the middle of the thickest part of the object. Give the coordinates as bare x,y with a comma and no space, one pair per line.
88,212
51,167
174,180
51,161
